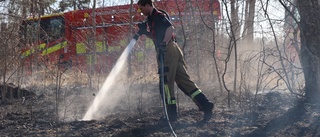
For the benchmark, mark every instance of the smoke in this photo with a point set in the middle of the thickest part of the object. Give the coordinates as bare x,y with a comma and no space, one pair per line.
106,96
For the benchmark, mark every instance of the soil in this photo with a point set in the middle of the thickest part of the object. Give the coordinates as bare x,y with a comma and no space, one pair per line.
273,114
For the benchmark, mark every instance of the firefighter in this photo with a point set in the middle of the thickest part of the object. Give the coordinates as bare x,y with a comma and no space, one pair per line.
159,28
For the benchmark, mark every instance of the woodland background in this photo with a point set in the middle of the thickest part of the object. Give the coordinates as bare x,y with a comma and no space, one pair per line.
260,57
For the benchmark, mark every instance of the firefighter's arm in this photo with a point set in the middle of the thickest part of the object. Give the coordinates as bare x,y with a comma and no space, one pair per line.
142,30
168,35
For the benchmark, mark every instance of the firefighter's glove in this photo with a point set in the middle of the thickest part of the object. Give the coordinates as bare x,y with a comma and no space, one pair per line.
136,36
162,47
142,28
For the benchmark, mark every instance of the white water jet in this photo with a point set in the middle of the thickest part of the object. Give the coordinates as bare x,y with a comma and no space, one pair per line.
99,99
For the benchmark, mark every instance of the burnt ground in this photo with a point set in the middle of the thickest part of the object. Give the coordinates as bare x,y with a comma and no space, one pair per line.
274,114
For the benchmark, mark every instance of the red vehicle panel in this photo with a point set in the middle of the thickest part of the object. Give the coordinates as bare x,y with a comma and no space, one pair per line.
69,39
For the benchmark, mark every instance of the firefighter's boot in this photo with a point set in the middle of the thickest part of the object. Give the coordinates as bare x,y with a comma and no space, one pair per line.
204,105
172,112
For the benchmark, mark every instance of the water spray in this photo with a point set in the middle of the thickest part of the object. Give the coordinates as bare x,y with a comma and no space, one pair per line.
110,80
99,99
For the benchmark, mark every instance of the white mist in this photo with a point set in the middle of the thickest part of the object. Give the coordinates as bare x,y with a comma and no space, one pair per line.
101,96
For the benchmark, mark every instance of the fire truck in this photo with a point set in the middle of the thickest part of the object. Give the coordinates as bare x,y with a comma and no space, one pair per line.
95,37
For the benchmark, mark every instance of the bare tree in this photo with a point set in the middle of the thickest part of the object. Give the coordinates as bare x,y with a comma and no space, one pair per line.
9,41
235,24
92,45
249,20
233,34
310,38
212,28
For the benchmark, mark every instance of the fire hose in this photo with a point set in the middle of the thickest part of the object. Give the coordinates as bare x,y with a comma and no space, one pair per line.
161,58
162,49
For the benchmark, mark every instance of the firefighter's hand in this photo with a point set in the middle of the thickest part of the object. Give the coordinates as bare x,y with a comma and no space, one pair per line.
136,36
142,28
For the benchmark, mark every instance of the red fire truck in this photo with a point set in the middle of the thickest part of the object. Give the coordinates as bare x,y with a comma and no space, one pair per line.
95,37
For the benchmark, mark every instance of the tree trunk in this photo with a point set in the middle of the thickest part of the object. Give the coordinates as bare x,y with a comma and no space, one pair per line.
246,18
4,69
93,44
251,20
235,31
235,19
196,28
74,3
310,47
129,72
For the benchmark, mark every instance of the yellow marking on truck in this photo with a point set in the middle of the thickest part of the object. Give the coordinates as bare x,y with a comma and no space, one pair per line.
54,48
30,51
80,48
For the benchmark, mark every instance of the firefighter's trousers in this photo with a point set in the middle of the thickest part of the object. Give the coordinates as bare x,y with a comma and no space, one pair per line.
175,71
